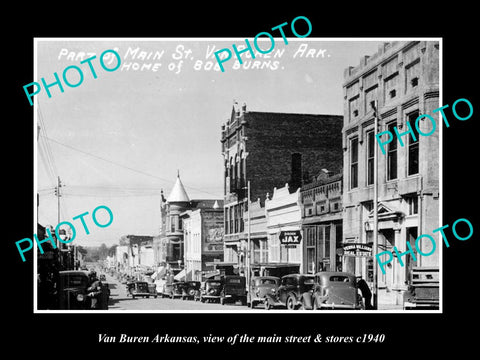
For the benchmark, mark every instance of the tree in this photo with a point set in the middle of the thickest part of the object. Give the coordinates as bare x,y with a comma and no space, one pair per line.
102,251
112,250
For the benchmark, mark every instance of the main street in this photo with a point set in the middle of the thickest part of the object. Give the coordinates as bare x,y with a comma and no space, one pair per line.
120,301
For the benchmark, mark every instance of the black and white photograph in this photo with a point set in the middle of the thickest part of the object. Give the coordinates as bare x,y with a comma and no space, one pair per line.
244,189
276,182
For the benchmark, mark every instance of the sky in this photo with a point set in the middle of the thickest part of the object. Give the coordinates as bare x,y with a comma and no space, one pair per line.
118,139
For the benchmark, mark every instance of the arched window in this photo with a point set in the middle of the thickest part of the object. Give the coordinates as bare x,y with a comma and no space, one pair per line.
237,172
241,171
231,174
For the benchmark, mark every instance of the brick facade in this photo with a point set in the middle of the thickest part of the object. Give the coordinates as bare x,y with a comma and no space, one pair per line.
269,150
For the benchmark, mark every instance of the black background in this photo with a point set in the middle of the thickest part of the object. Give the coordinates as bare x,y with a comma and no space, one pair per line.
62,334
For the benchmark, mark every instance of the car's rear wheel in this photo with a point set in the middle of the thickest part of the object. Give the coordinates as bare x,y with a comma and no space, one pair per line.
291,303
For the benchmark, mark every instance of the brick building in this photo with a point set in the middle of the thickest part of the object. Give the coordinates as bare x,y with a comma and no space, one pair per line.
404,78
268,150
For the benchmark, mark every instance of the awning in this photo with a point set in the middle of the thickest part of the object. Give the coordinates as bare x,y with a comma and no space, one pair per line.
180,276
157,275
210,274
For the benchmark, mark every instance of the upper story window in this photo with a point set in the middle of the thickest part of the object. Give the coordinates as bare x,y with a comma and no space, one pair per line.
354,163
392,155
413,145
370,157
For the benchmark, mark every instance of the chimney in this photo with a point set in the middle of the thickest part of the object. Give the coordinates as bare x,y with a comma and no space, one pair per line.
244,108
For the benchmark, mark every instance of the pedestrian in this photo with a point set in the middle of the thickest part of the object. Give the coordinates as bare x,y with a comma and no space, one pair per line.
366,293
94,290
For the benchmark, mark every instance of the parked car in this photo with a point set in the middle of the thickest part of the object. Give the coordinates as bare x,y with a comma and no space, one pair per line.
210,290
177,289
233,289
260,287
72,290
293,292
189,289
168,286
335,290
152,289
140,288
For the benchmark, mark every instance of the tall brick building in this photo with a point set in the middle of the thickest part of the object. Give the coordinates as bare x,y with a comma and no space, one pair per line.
404,78
271,149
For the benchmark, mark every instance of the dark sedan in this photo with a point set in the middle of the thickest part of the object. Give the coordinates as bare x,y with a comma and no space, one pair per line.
72,290
336,290
260,287
189,289
292,292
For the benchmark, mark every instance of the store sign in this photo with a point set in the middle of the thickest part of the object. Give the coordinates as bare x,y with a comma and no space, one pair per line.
357,249
290,237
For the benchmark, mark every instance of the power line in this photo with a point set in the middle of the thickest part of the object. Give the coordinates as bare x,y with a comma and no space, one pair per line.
45,150
123,166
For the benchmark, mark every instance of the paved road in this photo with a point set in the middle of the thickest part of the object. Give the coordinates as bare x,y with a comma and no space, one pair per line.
120,301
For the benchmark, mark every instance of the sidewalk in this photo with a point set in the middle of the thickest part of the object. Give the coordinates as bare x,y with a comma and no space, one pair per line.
390,307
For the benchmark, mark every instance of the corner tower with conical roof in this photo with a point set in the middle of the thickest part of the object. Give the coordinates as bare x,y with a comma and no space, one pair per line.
177,202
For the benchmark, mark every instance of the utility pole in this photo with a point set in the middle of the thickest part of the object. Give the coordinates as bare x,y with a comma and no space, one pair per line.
57,193
248,237
375,210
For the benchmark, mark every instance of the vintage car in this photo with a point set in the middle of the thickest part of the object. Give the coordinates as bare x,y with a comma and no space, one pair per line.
152,289
177,289
293,292
140,288
72,290
233,289
210,290
260,287
189,289
423,289
335,290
